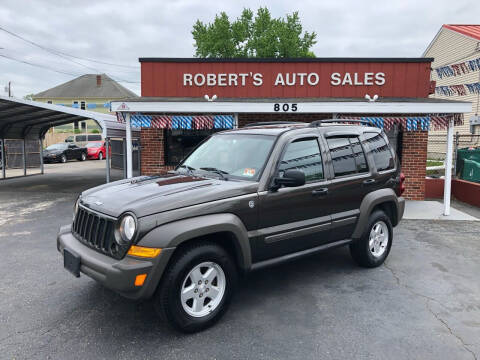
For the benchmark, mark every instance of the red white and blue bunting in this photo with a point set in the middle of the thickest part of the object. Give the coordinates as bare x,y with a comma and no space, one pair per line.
458,69
411,123
188,122
458,90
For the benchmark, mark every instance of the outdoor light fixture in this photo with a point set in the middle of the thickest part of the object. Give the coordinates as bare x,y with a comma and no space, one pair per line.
214,97
370,99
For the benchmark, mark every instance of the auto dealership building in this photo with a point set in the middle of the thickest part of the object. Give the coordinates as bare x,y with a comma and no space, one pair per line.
185,100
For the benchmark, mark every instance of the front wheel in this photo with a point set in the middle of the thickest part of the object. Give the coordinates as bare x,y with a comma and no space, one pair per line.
100,156
373,247
63,159
197,287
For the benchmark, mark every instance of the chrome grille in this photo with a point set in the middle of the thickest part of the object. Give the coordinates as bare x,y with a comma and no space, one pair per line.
97,232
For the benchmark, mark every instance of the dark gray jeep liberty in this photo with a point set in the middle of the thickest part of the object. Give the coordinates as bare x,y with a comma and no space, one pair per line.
242,200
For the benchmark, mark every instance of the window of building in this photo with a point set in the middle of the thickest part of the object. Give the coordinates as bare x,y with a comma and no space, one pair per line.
49,101
82,105
179,143
382,156
347,156
304,155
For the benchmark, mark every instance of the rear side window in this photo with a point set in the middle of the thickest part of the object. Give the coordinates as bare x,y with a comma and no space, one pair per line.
303,155
347,156
382,156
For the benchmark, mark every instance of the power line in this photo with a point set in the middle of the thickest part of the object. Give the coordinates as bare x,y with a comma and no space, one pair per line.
38,65
58,52
60,71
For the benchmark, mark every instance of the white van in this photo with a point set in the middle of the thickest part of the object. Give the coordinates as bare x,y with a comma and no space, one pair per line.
82,139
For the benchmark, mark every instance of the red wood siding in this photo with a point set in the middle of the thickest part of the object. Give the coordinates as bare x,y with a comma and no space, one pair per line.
402,79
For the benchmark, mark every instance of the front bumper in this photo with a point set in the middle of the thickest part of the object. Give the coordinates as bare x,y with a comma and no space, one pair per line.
118,275
92,155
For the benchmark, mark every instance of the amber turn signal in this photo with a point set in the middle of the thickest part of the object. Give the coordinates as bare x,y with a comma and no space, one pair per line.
144,252
140,279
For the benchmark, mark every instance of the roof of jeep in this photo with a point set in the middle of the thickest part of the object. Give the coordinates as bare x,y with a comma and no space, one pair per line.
280,128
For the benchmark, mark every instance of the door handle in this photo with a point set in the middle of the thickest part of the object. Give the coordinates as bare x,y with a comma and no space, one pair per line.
320,192
369,182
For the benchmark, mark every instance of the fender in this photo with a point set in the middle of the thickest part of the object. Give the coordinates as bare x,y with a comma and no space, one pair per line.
368,203
173,234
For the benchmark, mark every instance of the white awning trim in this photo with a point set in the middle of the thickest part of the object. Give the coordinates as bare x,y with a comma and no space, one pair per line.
353,107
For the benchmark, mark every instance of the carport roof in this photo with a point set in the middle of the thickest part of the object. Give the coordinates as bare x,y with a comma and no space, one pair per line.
21,119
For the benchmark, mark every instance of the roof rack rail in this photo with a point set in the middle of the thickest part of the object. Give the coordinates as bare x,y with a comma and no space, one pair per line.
264,123
318,123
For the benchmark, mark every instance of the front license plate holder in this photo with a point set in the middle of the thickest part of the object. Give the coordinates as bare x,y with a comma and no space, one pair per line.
71,262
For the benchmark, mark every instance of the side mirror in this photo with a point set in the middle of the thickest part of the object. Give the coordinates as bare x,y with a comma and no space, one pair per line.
291,178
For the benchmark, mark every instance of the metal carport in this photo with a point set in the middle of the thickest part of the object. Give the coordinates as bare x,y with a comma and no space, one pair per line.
30,120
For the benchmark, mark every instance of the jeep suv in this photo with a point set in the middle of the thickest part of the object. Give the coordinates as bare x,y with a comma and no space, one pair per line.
242,200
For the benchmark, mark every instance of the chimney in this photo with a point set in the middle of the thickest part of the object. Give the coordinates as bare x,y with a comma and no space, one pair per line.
99,80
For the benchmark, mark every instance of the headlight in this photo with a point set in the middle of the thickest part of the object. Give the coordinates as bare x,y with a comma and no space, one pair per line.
75,208
126,230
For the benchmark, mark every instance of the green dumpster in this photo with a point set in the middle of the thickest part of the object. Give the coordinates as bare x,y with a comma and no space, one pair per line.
468,164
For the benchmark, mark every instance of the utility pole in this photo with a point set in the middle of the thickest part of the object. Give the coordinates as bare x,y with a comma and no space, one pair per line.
9,89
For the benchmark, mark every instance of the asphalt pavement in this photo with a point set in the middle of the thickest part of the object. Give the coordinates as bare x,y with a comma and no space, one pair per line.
424,303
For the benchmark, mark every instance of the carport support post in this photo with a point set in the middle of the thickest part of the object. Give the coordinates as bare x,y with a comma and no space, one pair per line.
24,158
41,156
4,165
107,159
448,170
128,130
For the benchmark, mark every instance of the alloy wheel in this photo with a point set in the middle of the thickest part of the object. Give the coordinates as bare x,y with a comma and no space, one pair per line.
378,239
203,289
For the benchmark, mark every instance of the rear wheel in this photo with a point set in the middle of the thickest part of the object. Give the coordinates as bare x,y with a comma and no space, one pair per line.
83,157
100,156
197,287
373,247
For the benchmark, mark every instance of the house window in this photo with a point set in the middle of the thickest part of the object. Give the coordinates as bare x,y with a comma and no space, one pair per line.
82,105
49,101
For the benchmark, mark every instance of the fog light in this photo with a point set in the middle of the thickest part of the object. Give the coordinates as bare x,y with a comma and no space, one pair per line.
144,252
140,279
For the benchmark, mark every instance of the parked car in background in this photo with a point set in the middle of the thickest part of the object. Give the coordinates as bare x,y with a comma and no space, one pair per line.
63,152
82,140
96,150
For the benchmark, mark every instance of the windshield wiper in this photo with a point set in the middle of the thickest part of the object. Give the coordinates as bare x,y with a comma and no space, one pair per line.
189,169
216,171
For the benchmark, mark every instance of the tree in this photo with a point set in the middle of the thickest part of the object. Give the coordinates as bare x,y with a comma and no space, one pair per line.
248,36
28,97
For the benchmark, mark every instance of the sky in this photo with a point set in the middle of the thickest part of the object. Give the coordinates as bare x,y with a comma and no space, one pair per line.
119,32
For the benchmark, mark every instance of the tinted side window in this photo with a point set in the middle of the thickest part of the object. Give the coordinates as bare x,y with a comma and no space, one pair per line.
94,137
359,155
81,138
342,156
382,156
303,155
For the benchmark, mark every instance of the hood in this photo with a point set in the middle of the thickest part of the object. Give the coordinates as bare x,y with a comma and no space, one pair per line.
48,152
148,195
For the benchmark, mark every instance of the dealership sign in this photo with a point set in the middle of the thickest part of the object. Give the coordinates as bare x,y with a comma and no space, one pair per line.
283,79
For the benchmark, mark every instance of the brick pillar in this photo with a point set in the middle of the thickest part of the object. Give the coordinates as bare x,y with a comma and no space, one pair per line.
153,151
414,162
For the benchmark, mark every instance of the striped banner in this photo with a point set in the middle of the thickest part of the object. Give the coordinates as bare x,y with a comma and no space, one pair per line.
186,122
424,123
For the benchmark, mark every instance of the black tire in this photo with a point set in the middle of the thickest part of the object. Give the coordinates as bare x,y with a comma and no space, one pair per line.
82,157
360,249
167,298
100,156
63,159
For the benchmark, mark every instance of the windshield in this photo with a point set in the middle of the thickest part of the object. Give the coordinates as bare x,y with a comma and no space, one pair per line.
94,145
57,147
234,155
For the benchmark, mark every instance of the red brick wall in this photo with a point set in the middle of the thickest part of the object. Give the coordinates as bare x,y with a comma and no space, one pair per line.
414,160
153,151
